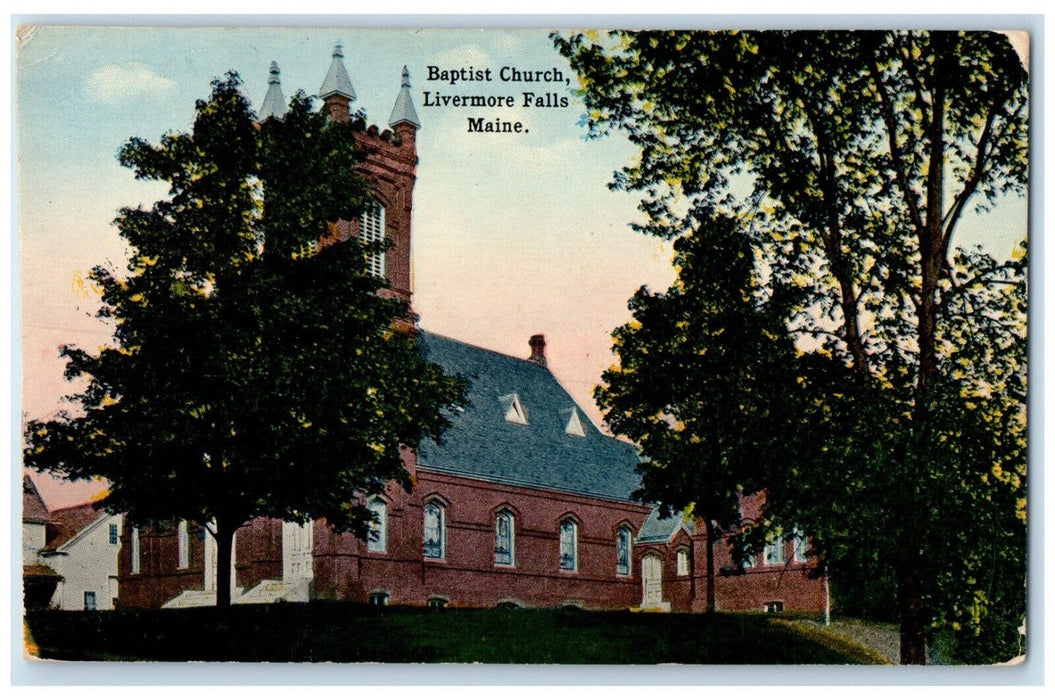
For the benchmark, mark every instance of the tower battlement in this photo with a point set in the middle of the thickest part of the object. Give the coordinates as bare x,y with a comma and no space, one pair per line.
389,163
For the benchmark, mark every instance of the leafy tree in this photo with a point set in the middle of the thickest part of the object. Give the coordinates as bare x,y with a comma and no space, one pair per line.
702,382
852,158
254,372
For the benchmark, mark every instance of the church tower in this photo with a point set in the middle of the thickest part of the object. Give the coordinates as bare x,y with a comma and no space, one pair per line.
390,165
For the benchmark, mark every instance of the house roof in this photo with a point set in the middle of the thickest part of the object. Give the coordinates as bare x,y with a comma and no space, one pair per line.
541,454
68,522
34,509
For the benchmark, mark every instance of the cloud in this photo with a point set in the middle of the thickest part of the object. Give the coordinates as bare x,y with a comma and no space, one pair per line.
462,56
117,83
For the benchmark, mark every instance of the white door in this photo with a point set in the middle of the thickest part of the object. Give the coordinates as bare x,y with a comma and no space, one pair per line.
652,580
296,551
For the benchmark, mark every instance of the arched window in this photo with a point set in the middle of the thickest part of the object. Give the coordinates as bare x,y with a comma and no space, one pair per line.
434,531
372,230
378,539
683,561
504,539
623,540
569,545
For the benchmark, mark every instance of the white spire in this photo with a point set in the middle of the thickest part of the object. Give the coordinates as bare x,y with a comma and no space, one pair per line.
404,109
337,81
274,102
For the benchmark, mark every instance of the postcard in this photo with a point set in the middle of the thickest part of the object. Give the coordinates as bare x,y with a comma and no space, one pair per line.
516,346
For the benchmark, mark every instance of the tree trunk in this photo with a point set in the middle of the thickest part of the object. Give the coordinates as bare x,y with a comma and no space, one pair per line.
224,538
910,614
932,258
932,242
710,565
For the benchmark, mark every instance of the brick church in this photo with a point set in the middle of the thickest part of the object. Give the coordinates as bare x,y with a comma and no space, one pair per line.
524,503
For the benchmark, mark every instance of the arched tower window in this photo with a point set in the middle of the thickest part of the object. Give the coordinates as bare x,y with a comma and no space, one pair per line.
372,230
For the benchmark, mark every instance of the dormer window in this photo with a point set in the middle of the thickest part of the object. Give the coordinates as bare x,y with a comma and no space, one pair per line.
372,231
574,425
513,410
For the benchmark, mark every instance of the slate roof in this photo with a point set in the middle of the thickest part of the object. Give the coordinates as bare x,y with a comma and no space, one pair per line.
482,444
656,529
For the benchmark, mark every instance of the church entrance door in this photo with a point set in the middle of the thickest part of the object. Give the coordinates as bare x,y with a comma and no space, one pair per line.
652,581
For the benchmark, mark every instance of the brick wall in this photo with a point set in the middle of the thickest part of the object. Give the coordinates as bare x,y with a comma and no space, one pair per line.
467,575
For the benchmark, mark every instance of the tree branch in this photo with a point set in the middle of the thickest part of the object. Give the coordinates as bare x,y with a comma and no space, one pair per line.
896,156
981,159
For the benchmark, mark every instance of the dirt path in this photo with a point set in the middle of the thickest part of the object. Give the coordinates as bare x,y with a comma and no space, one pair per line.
881,638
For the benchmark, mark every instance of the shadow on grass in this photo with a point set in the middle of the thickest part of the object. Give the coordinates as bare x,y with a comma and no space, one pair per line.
342,632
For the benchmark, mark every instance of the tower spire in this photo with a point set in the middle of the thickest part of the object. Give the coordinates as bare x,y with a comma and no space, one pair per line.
336,92
337,81
404,112
274,102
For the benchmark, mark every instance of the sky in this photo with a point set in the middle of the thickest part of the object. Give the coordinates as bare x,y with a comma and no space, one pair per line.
512,234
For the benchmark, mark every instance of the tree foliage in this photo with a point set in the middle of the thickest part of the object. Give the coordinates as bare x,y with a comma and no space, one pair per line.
702,367
253,371
852,159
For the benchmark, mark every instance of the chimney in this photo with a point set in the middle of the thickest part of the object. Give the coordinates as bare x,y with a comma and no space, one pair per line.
538,349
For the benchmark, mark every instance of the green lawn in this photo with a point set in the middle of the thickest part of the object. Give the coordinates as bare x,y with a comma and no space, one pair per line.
325,631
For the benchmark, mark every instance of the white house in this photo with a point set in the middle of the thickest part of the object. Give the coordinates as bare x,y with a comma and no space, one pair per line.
71,552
